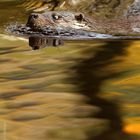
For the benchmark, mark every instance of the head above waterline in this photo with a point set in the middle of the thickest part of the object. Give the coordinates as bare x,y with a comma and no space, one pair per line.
61,19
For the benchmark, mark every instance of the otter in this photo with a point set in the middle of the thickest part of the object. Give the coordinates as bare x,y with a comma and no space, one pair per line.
60,19
67,25
80,21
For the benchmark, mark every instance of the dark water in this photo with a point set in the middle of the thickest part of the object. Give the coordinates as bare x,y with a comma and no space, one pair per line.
80,90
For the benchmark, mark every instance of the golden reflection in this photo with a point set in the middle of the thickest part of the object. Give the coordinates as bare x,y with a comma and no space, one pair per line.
88,90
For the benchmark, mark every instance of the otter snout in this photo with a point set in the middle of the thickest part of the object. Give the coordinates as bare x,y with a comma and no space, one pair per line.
36,20
32,20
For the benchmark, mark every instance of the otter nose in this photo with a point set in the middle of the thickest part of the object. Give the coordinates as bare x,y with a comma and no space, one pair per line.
31,19
35,16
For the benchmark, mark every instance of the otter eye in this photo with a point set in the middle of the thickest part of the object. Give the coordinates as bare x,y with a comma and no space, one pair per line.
56,17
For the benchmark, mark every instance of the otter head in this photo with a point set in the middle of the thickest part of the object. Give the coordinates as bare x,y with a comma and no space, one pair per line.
59,19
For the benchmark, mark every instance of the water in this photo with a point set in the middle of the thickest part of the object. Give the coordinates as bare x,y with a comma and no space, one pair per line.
81,90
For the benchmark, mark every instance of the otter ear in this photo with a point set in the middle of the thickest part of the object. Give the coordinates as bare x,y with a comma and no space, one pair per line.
79,17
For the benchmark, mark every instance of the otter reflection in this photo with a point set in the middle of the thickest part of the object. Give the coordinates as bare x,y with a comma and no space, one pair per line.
37,42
